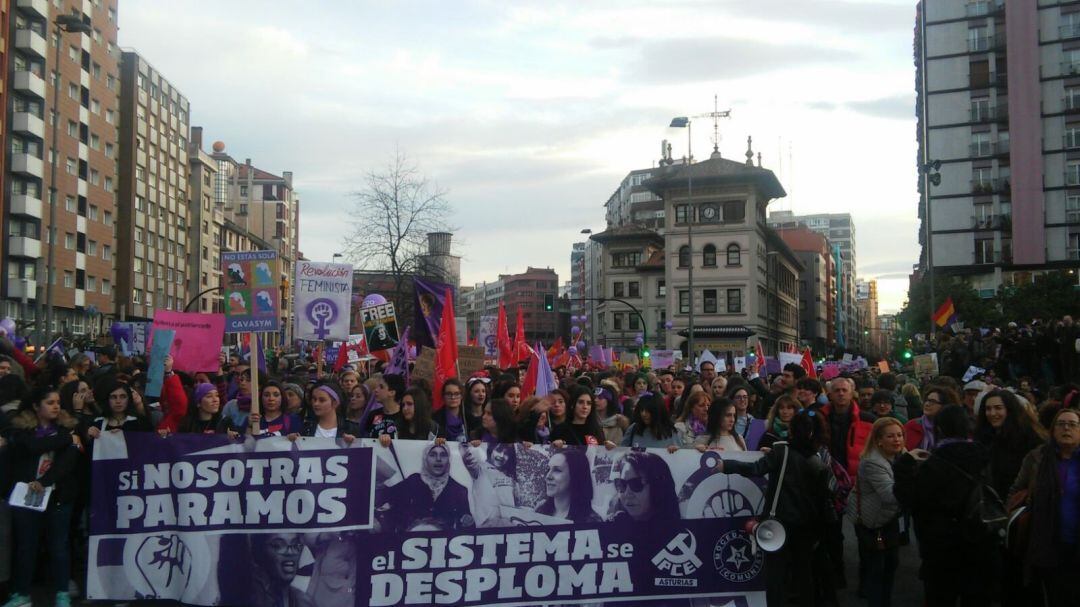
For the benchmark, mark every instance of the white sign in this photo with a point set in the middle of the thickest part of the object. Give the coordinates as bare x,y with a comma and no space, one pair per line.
322,296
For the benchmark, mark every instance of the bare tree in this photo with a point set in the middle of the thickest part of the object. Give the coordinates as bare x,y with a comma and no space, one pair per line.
392,218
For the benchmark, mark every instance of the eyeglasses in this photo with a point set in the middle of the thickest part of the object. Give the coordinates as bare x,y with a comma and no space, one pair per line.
1066,424
637,485
931,401
283,547
743,397
451,394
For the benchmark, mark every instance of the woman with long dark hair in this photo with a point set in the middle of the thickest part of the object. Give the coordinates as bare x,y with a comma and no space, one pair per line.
919,432
120,413
416,422
694,421
720,432
451,421
497,424
652,426
510,391
1049,484
568,486
1008,433
272,420
582,427
477,395
205,417
44,453
644,489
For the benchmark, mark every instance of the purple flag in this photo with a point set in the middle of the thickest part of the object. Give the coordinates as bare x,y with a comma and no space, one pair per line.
399,358
545,379
429,299
369,409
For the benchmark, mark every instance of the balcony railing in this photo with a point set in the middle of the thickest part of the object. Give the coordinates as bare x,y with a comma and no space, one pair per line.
1070,68
980,44
1072,253
990,186
1002,221
992,257
984,149
1072,178
1069,30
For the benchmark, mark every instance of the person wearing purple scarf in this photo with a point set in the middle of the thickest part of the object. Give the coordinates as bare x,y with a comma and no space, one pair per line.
919,432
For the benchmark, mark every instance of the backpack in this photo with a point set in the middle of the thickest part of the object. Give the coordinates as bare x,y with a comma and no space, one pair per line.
984,519
840,483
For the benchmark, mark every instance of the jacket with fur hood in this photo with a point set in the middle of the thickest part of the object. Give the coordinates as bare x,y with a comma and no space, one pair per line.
27,449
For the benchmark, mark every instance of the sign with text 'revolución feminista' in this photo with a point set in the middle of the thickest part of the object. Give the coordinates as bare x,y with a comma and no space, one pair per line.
322,294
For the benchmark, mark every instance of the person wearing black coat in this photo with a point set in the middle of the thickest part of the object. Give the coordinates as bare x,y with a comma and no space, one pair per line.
803,508
935,489
44,453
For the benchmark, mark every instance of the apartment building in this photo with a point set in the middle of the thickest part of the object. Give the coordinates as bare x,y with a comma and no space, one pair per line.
205,228
817,290
152,204
531,291
72,78
998,88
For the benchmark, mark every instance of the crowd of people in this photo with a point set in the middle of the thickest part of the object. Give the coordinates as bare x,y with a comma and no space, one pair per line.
902,460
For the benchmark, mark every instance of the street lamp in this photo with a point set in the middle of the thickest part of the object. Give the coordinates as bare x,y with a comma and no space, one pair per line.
684,122
72,25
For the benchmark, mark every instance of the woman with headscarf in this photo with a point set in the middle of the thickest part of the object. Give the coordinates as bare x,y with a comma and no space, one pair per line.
429,494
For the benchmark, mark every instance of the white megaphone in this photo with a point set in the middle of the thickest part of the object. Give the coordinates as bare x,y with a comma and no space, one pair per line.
770,535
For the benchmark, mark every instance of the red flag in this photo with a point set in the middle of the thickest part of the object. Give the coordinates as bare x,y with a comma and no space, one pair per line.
446,352
521,349
505,347
528,385
807,363
759,352
342,357
555,348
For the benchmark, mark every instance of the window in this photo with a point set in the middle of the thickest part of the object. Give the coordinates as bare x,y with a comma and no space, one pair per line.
69,279
978,39
682,213
617,321
1072,136
108,218
109,150
69,166
95,177
91,247
136,296
617,290
734,255
708,256
69,241
618,260
709,297
108,184
1072,98
734,211
106,252
91,284
684,301
635,322
684,256
1072,208
106,287
981,145
734,301
73,53
138,265
980,109
72,128
69,204
243,191
634,288
73,91
984,250
138,235
661,288
1072,173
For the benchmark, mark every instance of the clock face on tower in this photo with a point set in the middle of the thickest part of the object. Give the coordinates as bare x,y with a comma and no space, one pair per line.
709,213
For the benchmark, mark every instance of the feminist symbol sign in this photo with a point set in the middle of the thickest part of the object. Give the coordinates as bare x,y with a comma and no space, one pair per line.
322,313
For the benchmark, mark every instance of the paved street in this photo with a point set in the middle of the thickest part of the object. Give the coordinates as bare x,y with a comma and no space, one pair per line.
908,590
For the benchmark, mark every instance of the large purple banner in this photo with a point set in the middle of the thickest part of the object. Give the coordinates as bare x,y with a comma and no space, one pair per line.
271,522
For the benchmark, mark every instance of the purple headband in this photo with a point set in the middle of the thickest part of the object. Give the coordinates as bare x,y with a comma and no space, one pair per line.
330,392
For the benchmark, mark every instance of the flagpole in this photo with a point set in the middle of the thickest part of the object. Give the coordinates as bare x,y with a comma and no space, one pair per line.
254,370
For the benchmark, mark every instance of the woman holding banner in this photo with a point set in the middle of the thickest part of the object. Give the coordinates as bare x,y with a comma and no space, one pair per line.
272,419
121,412
652,427
416,422
451,422
694,421
326,420
44,454
583,428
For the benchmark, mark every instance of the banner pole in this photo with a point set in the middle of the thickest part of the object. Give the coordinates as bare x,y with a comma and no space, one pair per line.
254,367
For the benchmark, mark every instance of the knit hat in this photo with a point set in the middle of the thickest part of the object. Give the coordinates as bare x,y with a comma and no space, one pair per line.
293,388
201,390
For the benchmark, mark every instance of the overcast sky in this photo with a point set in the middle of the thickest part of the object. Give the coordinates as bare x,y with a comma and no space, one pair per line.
530,113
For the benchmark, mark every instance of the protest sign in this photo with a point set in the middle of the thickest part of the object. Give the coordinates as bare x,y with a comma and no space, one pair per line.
830,370
487,337
883,366
197,341
740,363
380,326
790,358
155,372
926,364
252,294
322,295
470,360
424,367
130,337
972,372
174,519
661,359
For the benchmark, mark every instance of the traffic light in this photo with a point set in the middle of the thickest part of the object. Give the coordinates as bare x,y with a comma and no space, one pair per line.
645,353
907,354
549,302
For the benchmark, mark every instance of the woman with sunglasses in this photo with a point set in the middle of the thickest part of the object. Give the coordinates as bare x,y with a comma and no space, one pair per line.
919,432
1049,485
644,489
452,421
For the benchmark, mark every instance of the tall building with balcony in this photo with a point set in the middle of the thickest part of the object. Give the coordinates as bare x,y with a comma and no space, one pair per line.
152,203
258,207
817,287
205,227
998,105
82,70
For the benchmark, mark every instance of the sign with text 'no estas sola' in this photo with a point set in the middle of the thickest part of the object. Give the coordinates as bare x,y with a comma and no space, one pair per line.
322,291
251,294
